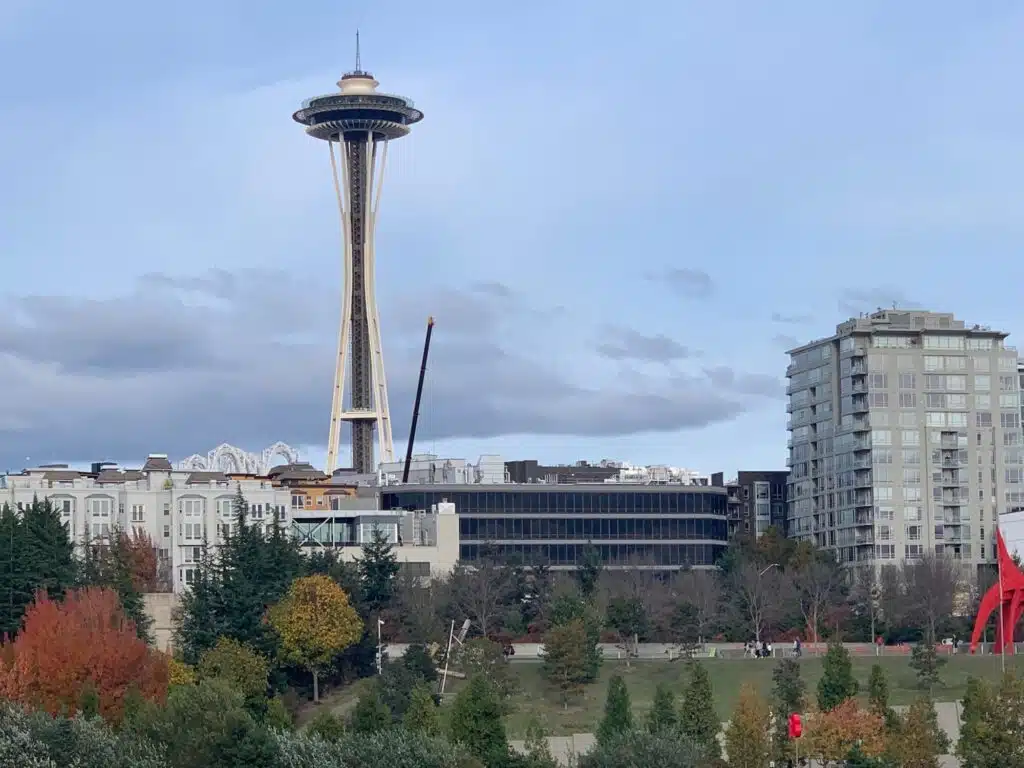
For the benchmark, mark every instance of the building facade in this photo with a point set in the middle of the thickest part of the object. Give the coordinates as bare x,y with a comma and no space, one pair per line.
905,438
755,502
663,527
178,510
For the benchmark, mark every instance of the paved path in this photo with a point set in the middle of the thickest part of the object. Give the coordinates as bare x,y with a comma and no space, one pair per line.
564,748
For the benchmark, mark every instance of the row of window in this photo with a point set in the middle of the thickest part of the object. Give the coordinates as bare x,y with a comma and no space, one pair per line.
587,528
664,555
562,502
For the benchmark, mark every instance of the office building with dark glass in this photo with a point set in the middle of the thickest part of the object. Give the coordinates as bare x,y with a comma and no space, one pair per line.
657,526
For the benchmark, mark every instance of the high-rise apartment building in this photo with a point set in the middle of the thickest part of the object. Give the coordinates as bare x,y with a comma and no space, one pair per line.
905,438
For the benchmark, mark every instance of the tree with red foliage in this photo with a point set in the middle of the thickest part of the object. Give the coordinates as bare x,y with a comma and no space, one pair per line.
81,645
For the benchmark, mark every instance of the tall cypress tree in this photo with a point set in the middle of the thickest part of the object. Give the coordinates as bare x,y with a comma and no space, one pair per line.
837,683
618,712
697,718
200,615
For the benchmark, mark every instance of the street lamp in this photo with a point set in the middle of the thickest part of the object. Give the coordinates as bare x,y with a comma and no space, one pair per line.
773,565
757,628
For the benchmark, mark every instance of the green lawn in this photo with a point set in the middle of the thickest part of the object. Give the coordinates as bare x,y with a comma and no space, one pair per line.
535,699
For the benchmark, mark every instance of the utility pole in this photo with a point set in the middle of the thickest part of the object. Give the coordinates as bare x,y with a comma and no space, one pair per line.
380,646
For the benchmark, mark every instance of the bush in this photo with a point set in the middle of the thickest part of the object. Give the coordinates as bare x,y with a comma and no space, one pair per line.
636,748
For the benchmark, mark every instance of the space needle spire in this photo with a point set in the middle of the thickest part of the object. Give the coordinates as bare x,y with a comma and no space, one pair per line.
357,122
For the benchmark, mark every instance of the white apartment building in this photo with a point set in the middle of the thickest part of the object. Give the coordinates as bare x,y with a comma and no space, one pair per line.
177,509
905,438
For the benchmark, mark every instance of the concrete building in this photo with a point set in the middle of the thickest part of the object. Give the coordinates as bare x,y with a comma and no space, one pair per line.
755,501
658,526
177,509
606,471
905,438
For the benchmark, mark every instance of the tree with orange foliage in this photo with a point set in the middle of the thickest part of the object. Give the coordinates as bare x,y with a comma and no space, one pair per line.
829,736
83,644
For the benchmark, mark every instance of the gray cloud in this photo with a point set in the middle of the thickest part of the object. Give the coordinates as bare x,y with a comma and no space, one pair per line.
853,301
757,384
691,283
180,364
778,317
497,289
630,344
786,341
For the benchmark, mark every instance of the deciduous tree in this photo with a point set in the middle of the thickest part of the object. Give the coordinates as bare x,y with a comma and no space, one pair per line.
315,622
83,640
239,666
747,737
566,663
789,699
927,590
916,741
485,658
698,606
480,590
760,595
829,736
816,586
990,733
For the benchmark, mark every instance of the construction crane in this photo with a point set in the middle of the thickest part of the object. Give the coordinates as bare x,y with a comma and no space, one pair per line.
416,403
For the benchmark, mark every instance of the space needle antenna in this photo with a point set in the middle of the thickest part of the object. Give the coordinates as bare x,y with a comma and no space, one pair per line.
359,67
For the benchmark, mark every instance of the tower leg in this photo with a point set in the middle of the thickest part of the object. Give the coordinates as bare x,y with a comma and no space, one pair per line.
345,331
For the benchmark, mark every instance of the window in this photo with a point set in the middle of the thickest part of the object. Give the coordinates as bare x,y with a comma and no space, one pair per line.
878,381
881,437
910,437
982,402
100,507
1009,420
908,381
883,493
298,500
955,363
956,419
884,532
982,364
911,456
913,532
1007,383
881,456
908,418
1007,363
908,400
879,400
956,401
982,419
226,508
934,382
1014,475
191,507
956,383
942,342
138,513
911,514
880,419
1011,400
911,476
979,344
911,493
935,418
932,363
982,383
167,531
933,400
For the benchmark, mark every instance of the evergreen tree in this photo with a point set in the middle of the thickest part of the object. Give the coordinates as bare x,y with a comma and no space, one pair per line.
837,683
917,740
789,699
109,564
878,691
568,608
926,664
476,723
662,716
618,712
36,553
857,759
200,615
567,658
697,718
377,570
370,713
589,570
747,739
422,715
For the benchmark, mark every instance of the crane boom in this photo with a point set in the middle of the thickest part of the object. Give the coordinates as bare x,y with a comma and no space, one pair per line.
416,404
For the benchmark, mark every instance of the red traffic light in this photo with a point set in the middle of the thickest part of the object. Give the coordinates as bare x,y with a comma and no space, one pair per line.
796,726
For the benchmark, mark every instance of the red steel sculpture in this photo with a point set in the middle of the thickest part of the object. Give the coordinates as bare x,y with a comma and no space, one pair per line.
1005,596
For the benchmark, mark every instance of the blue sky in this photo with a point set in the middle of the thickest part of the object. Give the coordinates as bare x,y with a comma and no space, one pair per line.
620,220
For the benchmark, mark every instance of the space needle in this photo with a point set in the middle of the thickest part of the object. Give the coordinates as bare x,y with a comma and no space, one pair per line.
357,123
